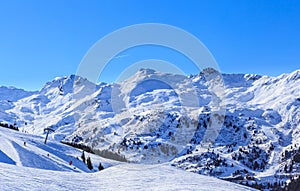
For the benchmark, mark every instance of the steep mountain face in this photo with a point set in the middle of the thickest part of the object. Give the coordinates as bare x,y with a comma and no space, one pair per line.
240,127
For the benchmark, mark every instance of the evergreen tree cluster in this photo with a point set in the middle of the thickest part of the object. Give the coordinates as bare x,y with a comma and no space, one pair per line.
79,146
13,127
290,159
293,185
89,163
207,163
252,156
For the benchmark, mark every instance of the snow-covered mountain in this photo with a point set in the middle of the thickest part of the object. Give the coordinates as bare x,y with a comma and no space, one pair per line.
239,127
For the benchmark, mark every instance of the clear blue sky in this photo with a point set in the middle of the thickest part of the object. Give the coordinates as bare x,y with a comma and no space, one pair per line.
40,40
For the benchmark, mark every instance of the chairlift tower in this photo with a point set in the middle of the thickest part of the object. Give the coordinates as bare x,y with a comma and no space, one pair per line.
48,129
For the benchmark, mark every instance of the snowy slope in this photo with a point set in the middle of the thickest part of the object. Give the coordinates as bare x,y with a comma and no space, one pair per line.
27,167
9,95
35,154
154,117
123,177
13,94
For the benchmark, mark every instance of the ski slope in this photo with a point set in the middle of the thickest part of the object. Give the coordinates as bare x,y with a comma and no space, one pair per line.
35,154
120,177
27,167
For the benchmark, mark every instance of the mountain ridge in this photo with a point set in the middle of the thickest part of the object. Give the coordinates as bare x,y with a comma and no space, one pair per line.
154,117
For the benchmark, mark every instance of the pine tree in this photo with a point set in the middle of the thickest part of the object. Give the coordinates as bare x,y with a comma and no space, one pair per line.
100,167
291,167
89,163
285,168
83,156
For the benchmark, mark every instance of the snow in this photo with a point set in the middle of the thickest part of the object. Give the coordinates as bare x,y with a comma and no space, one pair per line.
122,177
155,117
13,94
27,167
35,154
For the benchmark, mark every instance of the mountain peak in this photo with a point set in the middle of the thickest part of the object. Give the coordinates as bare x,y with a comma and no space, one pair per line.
66,84
146,71
294,75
